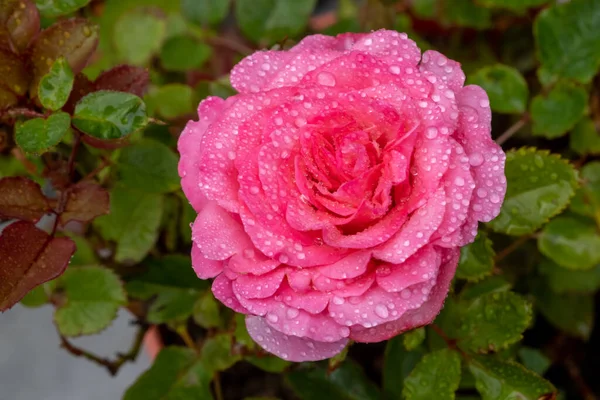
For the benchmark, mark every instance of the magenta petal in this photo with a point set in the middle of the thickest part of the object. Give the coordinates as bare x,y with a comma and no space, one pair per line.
256,72
258,286
421,267
217,234
205,268
348,267
291,348
418,317
223,291
449,71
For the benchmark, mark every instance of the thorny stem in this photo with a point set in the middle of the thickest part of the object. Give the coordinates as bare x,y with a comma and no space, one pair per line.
187,339
581,385
230,44
112,366
451,343
516,127
105,163
22,112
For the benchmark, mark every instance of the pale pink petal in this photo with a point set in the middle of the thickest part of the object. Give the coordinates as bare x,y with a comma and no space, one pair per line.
351,266
189,149
258,286
419,268
423,315
295,322
205,268
218,234
312,301
290,348
251,262
485,156
223,292
346,287
256,72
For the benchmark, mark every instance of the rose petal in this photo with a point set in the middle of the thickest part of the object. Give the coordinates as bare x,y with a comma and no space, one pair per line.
205,268
290,348
449,71
222,289
420,267
258,286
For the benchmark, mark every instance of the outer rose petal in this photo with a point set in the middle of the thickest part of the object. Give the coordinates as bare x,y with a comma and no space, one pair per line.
418,317
204,267
290,348
447,70
189,148
223,291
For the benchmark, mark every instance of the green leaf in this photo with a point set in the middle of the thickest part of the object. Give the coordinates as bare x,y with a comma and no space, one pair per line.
93,295
205,12
476,259
148,166
273,20
507,380
110,115
540,186
217,353
572,242
172,306
133,223
39,134
55,87
436,376
57,8
534,360
505,86
587,198
558,111
414,338
584,139
567,39
177,373
182,53
493,322
466,13
397,365
138,35
166,273
271,364
85,254
171,101
513,5
36,297
348,382
492,284
562,280
241,333
572,313
207,312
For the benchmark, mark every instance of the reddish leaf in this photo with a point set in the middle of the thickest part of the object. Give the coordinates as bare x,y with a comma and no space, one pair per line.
74,39
19,23
22,198
28,258
14,78
85,201
81,87
124,78
105,144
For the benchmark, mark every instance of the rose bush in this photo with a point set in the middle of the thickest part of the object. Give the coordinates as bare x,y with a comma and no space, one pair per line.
335,190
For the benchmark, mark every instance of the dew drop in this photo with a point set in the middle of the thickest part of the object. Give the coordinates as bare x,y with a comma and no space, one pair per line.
381,311
326,79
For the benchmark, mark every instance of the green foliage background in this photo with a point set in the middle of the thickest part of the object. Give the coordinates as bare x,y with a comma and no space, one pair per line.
520,320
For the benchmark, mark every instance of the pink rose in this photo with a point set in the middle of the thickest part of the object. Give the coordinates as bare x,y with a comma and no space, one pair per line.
335,190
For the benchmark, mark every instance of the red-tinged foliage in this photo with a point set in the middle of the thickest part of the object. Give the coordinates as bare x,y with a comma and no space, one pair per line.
124,78
81,86
105,144
14,78
28,258
21,198
85,201
74,39
19,23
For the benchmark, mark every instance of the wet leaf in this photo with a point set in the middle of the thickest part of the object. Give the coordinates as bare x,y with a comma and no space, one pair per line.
29,257
398,363
19,23
22,198
74,39
85,201
205,12
436,376
557,112
182,53
539,186
110,115
92,297
39,134
139,34
585,139
124,78
14,79
414,338
476,259
55,87
506,380
505,87
57,8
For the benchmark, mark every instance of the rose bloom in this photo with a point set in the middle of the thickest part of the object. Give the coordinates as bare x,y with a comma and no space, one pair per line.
335,190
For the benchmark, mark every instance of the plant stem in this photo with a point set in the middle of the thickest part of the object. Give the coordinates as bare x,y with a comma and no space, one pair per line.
512,130
218,388
187,339
512,247
112,366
